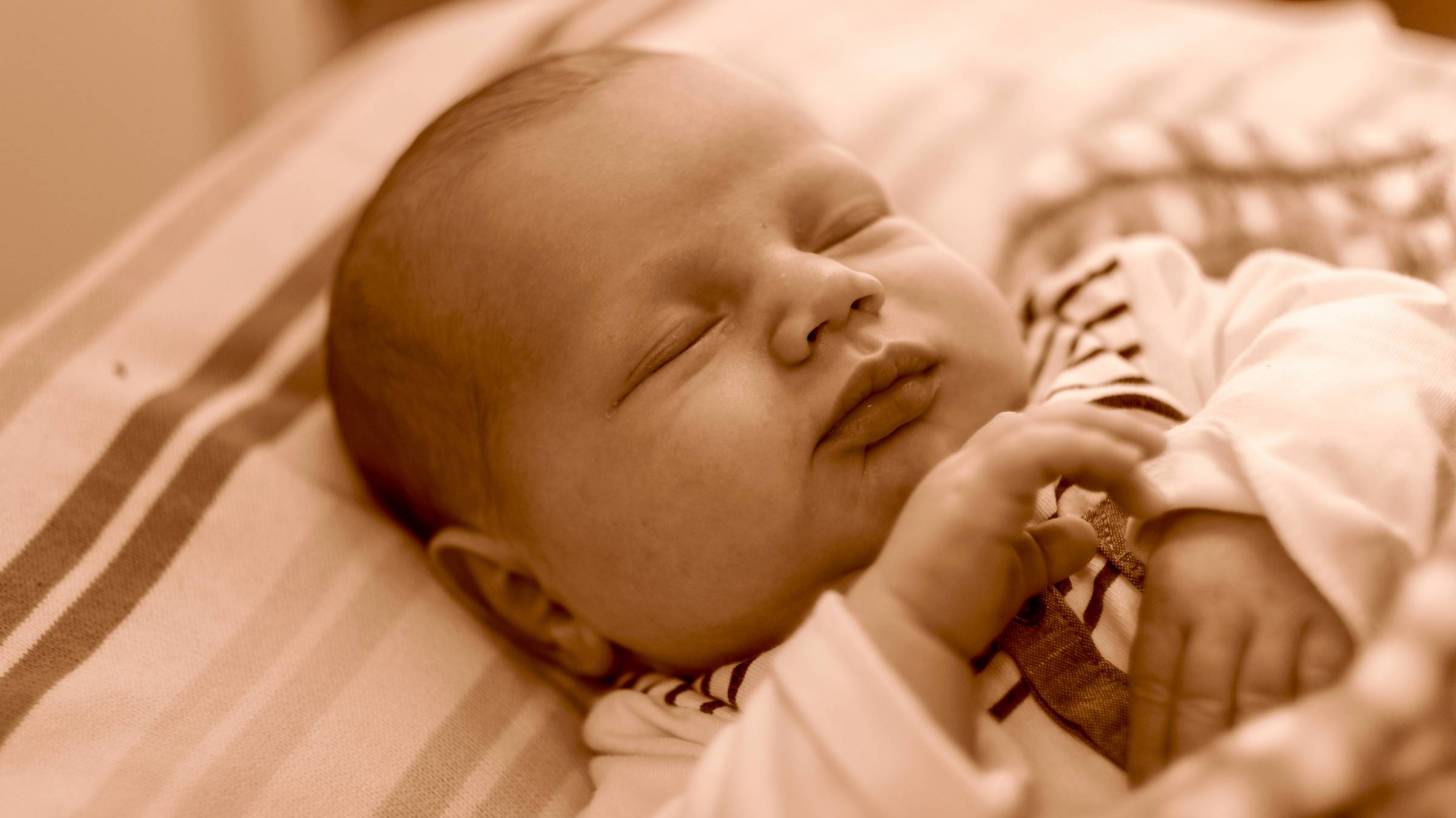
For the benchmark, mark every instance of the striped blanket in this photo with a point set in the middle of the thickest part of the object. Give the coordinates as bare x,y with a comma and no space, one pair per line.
201,611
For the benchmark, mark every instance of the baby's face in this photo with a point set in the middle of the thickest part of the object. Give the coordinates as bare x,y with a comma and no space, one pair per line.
701,290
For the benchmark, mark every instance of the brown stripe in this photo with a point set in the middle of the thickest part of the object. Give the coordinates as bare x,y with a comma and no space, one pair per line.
982,660
234,669
45,352
1110,523
1063,484
712,705
735,680
705,683
550,763
1133,400
1012,699
1071,292
1106,315
461,740
238,773
682,687
1055,339
74,526
155,542
1093,613
1088,355
1082,691
1128,380
1033,222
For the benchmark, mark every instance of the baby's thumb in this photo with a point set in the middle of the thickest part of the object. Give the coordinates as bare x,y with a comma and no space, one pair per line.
1065,543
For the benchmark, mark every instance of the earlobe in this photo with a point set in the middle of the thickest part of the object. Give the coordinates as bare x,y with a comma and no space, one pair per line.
488,577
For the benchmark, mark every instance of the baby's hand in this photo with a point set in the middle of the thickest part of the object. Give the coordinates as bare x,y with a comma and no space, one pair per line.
1229,628
960,560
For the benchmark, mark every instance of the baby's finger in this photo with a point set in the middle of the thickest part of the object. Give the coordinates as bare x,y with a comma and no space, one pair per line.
1043,452
1138,495
1064,545
1204,707
1153,672
1122,425
1267,675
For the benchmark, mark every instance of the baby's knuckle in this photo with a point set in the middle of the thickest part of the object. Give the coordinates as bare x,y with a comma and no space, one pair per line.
1257,699
1201,708
1323,667
1150,689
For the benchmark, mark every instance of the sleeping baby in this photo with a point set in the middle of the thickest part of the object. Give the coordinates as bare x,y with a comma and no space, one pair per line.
681,403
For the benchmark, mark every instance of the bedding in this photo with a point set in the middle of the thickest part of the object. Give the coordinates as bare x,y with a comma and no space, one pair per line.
201,610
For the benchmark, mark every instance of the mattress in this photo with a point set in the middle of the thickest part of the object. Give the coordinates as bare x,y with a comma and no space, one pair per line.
201,609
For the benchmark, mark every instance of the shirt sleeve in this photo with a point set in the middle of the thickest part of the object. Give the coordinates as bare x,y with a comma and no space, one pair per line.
831,732
1321,398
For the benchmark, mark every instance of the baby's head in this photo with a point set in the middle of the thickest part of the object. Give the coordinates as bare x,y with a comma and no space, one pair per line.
608,336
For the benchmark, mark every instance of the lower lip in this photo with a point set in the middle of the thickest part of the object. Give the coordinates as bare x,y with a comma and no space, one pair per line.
885,412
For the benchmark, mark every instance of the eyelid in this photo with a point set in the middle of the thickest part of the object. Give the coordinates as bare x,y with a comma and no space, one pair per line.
854,220
667,351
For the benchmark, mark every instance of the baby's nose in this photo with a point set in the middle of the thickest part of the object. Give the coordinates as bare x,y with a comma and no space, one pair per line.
825,300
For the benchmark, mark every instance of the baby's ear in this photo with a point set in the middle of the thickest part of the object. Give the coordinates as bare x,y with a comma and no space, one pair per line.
493,582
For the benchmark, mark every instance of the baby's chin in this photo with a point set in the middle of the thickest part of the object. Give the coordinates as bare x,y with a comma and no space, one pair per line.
894,467
883,481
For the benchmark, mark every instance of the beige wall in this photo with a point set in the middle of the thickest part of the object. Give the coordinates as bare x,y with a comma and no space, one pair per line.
104,105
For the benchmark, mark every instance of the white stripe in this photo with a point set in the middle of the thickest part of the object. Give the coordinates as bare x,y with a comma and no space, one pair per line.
384,558
393,701
172,637
296,340
526,729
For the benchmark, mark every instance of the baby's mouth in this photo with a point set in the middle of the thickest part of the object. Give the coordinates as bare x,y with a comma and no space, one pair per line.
885,412
885,393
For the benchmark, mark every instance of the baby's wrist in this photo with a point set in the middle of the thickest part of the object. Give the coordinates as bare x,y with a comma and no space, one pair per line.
1183,523
939,677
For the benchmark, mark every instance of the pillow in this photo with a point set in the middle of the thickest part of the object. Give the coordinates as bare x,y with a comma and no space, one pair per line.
201,610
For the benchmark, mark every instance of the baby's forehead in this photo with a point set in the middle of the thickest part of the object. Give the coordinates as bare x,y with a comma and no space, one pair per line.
567,217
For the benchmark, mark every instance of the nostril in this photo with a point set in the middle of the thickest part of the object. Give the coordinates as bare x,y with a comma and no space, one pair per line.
814,333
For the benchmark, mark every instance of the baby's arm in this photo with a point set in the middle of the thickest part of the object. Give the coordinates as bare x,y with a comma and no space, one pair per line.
871,707
960,560
1229,628
1324,412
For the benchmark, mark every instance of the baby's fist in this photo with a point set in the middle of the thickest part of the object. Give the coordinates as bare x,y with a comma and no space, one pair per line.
961,560
1229,628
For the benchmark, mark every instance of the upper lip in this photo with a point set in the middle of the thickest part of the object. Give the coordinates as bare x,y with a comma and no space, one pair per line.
892,362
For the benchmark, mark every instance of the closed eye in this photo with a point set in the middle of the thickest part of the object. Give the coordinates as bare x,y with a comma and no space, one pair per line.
860,217
673,347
